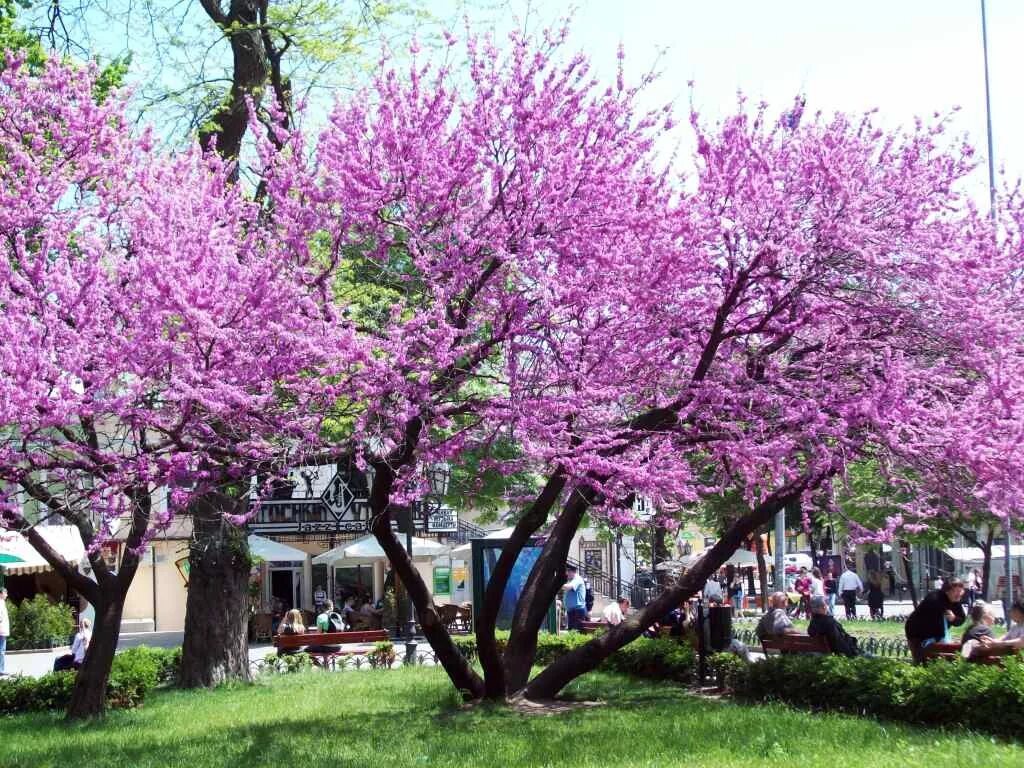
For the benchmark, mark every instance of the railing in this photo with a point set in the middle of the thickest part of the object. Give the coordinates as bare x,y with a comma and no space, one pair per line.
467,531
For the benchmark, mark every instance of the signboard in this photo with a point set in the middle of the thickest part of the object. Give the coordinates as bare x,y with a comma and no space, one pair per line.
183,568
442,580
460,593
485,556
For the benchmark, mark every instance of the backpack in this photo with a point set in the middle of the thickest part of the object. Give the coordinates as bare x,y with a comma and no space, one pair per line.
337,625
589,599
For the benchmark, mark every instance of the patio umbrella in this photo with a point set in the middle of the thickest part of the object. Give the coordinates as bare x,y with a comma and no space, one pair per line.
367,550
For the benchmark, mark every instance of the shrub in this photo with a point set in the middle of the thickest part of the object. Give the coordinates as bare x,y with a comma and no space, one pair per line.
286,663
382,656
980,697
133,674
662,658
38,623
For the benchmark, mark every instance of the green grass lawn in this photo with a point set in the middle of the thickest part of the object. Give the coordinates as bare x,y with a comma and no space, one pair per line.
411,718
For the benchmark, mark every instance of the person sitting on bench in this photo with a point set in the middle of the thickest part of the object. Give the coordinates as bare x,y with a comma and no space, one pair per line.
929,623
291,624
328,621
823,624
776,621
79,646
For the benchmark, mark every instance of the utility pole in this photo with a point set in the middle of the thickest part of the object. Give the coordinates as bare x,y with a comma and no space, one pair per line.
1007,559
780,548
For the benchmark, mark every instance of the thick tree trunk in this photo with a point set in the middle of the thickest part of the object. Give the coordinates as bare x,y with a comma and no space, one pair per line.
216,647
89,697
486,621
546,577
586,658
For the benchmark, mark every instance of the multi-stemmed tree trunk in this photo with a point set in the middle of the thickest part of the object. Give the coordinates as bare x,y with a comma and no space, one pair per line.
215,647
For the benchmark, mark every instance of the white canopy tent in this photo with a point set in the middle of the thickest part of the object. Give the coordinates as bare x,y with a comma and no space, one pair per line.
367,550
18,557
274,551
974,554
741,558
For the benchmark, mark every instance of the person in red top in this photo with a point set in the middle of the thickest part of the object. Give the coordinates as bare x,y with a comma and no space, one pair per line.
803,587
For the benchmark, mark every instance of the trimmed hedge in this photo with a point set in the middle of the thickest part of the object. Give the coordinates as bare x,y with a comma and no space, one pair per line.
663,658
134,673
959,694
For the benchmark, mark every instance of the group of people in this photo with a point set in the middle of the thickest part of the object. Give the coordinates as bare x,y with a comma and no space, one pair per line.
777,622
943,608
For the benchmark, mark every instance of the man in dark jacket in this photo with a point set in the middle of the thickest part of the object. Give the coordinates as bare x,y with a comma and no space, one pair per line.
824,625
931,620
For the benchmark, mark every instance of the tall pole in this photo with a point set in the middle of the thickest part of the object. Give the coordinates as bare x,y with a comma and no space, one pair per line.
1007,559
780,546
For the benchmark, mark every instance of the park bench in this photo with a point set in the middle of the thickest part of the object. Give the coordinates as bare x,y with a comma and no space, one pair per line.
951,652
794,644
327,658
590,627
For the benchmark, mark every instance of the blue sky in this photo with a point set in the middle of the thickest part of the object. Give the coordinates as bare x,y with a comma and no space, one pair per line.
905,57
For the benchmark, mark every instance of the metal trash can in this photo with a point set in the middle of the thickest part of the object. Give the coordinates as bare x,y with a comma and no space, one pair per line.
719,627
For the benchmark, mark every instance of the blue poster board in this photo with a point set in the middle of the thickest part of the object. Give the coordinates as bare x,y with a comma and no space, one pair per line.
485,556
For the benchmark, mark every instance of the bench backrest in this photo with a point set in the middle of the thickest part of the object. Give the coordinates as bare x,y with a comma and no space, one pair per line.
330,638
794,644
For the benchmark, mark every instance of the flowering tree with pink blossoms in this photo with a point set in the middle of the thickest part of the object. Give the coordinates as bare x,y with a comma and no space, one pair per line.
792,306
154,335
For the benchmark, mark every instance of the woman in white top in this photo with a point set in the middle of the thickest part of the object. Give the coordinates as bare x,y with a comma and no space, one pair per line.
79,646
81,642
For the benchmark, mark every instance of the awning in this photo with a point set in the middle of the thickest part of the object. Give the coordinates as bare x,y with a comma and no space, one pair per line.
974,554
274,551
18,557
741,558
367,550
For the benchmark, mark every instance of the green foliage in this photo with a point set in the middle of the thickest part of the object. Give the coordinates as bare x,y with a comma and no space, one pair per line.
135,672
661,659
981,697
28,694
38,623
13,38
382,656
286,663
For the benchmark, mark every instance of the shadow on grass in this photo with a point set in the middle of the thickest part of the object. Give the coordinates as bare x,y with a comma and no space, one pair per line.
412,718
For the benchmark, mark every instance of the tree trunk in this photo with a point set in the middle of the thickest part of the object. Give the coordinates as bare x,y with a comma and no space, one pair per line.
762,573
89,697
486,621
586,658
216,647
546,577
908,570
459,670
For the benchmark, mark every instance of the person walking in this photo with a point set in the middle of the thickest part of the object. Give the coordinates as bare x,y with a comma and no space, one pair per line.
972,582
831,589
876,597
5,629
575,599
850,586
935,614
802,586
736,592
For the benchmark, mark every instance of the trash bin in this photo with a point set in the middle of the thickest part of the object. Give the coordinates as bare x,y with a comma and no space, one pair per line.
719,627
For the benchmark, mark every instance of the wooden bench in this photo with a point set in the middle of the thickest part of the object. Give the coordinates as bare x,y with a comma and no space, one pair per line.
590,627
951,652
773,646
327,658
